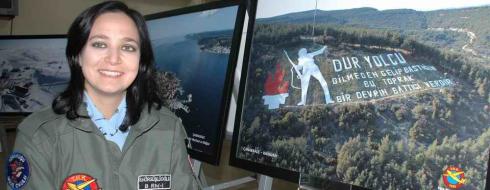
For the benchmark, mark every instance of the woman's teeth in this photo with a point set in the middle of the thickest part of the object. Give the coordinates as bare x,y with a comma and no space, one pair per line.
110,73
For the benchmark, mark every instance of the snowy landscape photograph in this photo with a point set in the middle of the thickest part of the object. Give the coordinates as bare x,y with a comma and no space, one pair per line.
33,71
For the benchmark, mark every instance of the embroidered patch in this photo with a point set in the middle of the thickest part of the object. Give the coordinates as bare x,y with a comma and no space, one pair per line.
453,177
154,182
17,170
80,181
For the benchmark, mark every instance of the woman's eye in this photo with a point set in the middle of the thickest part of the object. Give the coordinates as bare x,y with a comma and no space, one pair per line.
129,48
99,45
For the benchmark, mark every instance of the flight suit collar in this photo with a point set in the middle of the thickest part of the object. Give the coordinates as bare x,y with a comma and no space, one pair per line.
83,121
145,122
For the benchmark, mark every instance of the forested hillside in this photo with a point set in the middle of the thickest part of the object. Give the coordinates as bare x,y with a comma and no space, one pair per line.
396,142
416,24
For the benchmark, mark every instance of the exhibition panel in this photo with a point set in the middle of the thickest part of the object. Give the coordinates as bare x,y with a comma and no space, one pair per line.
376,95
196,51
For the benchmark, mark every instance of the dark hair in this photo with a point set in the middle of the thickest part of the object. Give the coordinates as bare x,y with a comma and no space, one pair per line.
140,93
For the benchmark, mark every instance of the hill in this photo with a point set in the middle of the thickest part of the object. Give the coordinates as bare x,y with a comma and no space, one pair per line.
367,17
419,25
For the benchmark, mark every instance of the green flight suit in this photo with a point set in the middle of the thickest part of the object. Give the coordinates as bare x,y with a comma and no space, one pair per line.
57,148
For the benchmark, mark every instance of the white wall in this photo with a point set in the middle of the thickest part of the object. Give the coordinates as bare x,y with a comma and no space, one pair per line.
55,16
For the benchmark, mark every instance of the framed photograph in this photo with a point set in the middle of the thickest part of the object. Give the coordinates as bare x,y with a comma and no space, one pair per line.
375,95
33,71
196,49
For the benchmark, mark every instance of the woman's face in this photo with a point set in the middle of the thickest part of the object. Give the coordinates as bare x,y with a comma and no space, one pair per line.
111,56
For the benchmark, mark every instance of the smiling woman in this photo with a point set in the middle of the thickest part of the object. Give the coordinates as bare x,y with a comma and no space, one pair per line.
110,60
107,130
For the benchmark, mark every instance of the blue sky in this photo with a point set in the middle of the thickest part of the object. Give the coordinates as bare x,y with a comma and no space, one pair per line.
212,20
270,8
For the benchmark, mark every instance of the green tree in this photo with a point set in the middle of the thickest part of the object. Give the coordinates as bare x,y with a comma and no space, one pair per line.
349,167
418,111
421,130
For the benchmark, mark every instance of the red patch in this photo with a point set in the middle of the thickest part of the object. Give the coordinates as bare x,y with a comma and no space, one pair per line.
275,84
80,181
453,177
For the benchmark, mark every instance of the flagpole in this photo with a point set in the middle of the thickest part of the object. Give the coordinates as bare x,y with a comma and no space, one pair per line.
314,20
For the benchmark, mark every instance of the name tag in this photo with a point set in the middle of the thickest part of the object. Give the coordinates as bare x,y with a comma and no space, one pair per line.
154,182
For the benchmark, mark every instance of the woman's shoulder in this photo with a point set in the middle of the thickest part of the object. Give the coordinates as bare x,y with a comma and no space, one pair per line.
165,113
37,120
166,117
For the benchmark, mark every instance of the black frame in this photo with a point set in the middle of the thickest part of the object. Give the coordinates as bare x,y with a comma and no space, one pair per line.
27,37
12,11
232,60
272,171
281,173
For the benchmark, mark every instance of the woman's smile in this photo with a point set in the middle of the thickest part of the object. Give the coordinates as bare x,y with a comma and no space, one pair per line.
110,73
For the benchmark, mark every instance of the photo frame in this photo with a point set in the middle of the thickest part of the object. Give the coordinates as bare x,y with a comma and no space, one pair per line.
348,115
196,51
33,70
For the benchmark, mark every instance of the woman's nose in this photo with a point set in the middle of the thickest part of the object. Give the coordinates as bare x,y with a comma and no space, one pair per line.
113,56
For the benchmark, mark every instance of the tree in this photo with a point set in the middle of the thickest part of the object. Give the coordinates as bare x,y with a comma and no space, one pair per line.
421,130
418,111
435,105
349,156
401,113
482,90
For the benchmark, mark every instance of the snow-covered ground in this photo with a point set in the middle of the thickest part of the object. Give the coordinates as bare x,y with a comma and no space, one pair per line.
31,78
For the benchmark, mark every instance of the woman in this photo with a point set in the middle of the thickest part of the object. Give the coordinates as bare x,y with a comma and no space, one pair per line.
107,130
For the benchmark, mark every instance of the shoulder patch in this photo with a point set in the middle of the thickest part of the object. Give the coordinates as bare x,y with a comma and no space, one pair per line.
17,170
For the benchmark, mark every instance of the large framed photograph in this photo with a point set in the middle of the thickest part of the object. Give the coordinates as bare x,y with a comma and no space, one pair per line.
373,94
33,71
196,50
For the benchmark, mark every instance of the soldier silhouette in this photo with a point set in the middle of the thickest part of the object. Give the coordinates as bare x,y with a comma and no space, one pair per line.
306,68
